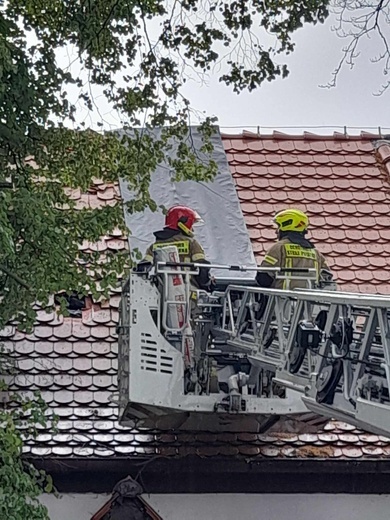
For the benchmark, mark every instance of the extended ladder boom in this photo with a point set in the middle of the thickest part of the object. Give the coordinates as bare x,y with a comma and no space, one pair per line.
245,357
333,347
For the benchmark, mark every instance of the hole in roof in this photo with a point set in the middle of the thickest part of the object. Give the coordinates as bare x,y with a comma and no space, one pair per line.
74,303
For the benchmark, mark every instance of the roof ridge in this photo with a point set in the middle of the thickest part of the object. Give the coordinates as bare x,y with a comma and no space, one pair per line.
306,136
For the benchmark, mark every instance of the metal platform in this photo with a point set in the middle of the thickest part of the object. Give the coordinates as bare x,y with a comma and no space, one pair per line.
250,359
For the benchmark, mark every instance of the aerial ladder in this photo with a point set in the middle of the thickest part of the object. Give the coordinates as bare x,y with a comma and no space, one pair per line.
245,358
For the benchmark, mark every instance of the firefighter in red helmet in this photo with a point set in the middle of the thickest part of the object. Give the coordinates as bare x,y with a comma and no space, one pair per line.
178,231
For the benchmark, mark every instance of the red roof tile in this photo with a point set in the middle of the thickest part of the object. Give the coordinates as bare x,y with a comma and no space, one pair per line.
77,377
342,182
73,361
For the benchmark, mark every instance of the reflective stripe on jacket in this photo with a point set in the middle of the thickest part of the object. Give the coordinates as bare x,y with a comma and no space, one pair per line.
286,254
188,248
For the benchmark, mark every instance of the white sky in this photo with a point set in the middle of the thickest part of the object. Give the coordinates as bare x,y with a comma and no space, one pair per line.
297,101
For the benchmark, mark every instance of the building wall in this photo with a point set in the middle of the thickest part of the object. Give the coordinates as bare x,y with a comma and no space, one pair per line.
233,507
74,506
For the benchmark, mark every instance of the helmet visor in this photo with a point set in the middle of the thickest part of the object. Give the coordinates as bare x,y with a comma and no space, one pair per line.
199,222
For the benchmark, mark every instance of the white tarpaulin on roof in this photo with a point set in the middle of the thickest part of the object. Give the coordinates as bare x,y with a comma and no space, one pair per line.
224,235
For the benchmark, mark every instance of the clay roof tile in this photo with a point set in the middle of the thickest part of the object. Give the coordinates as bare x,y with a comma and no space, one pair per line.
337,180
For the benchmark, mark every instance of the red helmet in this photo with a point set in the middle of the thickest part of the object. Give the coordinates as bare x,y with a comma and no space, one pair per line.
182,218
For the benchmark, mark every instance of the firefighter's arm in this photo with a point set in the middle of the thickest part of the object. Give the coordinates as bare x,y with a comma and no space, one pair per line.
326,274
197,255
197,252
271,259
322,262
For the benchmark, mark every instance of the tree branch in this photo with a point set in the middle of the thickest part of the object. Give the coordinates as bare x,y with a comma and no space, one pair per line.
14,277
6,185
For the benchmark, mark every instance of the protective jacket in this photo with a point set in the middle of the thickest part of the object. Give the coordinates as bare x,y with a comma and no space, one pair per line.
292,250
189,250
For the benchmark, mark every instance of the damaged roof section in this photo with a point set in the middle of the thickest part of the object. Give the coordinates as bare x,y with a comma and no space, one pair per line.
341,181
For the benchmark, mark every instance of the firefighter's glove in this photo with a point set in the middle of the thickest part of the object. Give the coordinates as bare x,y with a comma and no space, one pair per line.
212,284
326,276
327,281
143,267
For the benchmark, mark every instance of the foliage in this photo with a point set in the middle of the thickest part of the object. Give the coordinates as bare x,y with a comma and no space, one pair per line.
139,54
20,482
356,22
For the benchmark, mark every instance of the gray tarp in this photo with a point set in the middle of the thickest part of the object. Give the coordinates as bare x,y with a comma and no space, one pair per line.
224,235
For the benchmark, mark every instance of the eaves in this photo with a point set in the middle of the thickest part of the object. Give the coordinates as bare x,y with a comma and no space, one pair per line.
221,475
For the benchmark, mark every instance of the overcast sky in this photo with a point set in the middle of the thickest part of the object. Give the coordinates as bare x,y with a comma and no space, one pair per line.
298,100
